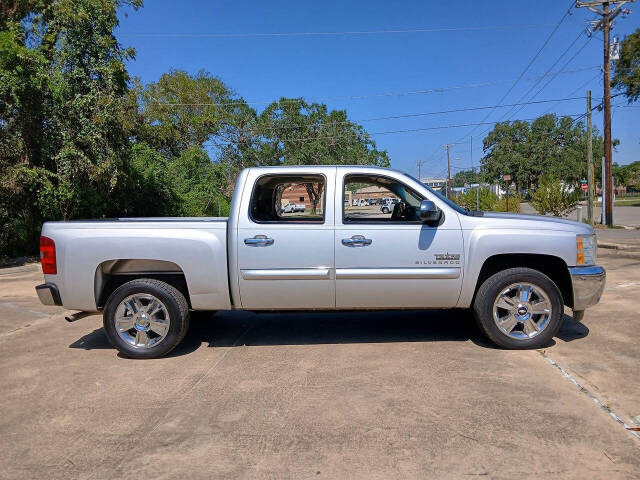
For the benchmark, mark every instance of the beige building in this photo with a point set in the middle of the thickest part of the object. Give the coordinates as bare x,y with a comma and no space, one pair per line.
373,191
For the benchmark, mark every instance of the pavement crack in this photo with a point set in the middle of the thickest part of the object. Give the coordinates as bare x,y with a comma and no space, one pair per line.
565,373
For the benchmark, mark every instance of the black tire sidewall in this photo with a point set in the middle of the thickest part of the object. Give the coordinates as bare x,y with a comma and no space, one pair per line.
174,336
489,290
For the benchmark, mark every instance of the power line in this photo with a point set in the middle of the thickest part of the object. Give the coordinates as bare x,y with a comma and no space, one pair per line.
423,114
533,59
408,130
550,68
554,76
573,92
235,103
332,33
507,117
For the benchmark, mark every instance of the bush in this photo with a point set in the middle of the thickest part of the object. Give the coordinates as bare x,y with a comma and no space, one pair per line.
554,197
487,198
514,204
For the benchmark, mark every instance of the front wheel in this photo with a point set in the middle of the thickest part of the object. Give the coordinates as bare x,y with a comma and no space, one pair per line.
519,308
146,318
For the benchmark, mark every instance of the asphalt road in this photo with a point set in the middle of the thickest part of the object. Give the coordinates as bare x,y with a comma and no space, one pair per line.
358,395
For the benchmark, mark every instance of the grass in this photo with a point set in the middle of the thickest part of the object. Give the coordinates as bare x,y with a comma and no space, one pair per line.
627,202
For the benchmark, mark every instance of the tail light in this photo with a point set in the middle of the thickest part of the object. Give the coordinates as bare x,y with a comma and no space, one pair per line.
48,256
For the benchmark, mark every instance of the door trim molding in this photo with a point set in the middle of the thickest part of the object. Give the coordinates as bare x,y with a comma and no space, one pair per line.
397,273
320,273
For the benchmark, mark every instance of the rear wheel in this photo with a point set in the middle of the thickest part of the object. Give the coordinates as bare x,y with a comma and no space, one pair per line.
146,318
519,308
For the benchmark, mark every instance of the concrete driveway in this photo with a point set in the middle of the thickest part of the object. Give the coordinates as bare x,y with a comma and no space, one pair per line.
360,395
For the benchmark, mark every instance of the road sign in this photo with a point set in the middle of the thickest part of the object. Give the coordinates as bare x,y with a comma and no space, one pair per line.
584,187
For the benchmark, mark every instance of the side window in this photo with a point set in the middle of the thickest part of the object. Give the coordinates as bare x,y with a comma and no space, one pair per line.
288,198
378,199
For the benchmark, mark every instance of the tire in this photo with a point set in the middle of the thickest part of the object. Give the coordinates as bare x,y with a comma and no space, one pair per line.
385,210
156,312
517,326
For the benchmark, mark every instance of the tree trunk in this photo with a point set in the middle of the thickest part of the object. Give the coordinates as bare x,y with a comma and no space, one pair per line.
314,195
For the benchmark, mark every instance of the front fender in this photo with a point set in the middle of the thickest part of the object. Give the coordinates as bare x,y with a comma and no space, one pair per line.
480,245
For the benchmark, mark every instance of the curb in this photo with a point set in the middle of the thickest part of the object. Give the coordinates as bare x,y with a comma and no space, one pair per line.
612,246
618,251
29,267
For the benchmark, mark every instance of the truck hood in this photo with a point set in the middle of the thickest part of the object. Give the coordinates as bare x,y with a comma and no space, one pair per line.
506,220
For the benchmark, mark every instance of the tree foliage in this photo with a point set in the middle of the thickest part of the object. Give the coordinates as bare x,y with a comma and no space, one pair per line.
554,197
548,145
467,177
626,75
80,139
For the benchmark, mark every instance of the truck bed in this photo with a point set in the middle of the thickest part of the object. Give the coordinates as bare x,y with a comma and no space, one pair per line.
193,247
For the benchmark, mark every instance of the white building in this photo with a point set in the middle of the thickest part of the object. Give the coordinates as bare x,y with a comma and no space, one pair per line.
435,183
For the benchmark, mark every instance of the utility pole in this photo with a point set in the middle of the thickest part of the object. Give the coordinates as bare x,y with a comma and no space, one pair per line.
420,163
473,171
589,160
448,169
608,10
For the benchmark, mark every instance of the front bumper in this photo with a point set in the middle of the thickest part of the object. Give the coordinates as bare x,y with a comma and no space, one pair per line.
588,284
48,294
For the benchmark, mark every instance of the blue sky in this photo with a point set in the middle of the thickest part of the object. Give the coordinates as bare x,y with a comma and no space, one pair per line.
487,48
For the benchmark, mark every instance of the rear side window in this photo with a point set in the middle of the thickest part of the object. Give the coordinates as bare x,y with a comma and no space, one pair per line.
288,198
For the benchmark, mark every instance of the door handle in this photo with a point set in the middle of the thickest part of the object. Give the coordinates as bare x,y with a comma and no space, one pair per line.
258,241
356,241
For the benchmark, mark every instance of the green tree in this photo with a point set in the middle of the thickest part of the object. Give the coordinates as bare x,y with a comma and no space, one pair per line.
181,111
466,177
62,105
626,75
297,133
199,184
554,197
549,144
506,150
627,175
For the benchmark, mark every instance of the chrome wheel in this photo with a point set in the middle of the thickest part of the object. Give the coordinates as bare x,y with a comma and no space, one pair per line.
142,320
522,310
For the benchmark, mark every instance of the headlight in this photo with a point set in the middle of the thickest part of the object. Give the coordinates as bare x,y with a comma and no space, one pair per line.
587,249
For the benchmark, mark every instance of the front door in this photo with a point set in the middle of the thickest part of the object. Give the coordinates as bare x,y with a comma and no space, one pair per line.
285,243
385,256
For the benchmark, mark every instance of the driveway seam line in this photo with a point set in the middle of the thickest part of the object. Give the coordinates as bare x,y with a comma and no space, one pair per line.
565,373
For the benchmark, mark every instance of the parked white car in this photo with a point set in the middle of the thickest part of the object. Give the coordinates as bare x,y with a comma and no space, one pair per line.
388,204
516,272
293,208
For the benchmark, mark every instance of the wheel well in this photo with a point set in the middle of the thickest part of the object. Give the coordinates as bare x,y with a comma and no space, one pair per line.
553,267
113,273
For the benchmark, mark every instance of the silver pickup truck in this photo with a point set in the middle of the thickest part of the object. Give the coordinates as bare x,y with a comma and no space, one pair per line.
516,272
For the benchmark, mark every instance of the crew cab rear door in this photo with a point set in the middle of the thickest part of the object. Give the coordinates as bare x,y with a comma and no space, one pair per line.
285,257
390,259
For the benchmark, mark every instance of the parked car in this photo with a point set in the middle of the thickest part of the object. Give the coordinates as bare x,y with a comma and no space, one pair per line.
387,206
293,208
517,273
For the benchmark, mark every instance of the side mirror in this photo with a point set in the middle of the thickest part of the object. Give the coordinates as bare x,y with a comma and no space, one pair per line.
429,212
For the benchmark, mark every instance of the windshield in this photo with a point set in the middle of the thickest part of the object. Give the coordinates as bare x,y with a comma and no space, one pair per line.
449,202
